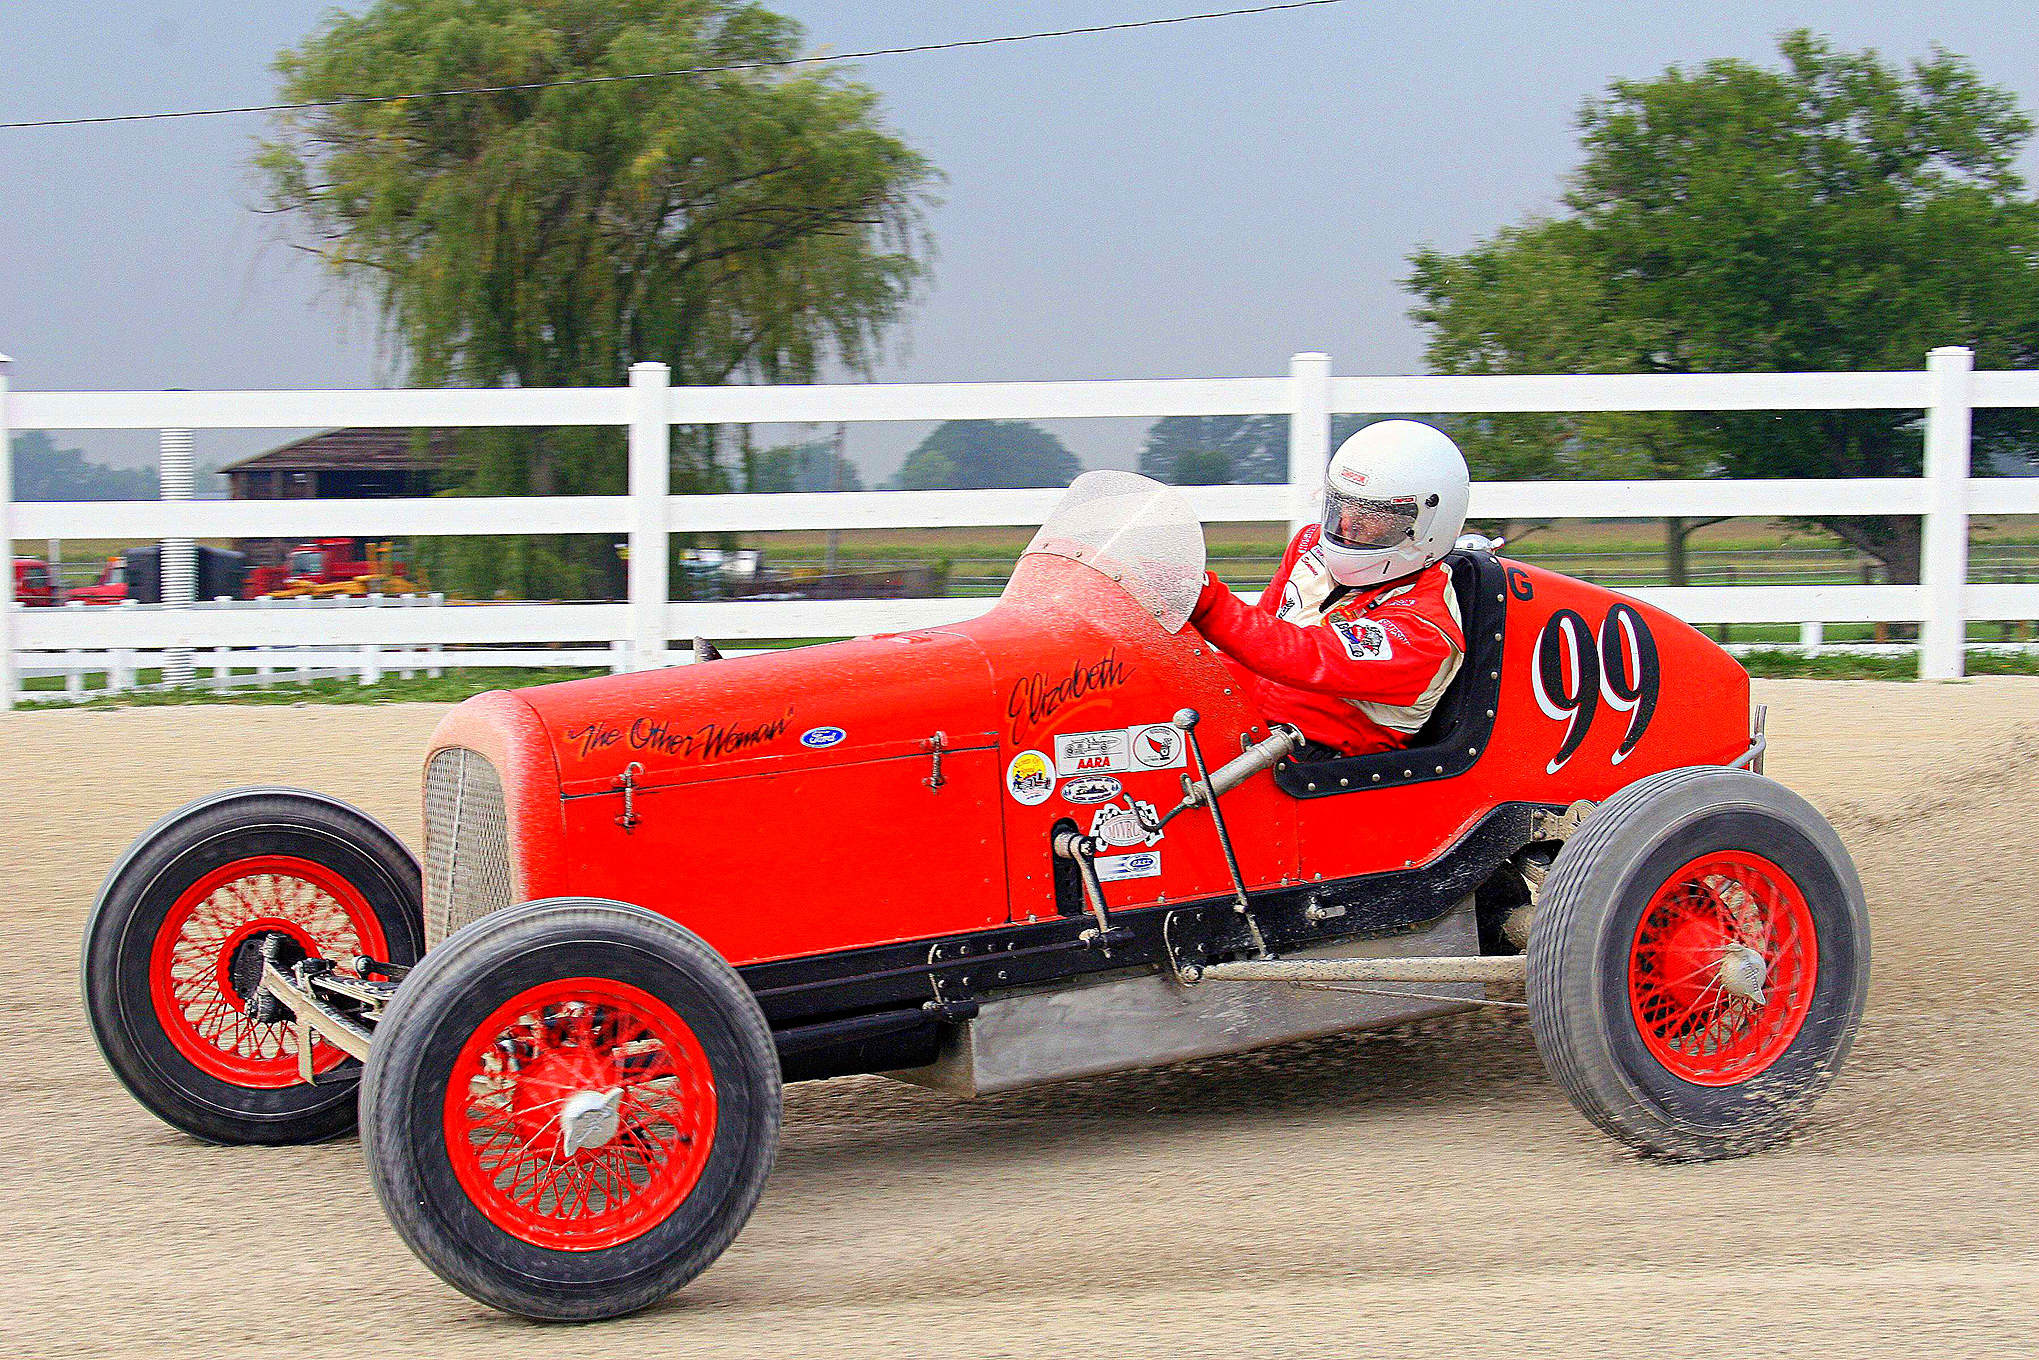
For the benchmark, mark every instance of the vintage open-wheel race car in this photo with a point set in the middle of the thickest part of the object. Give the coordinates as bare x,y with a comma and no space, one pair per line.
1049,842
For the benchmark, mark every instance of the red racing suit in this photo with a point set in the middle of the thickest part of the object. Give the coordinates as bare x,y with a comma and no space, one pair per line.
1356,669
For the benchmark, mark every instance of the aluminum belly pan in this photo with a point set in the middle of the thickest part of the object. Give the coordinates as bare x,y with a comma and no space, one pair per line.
1128,1021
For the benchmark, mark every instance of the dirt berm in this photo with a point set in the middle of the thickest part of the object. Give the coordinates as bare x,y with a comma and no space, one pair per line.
1421,1191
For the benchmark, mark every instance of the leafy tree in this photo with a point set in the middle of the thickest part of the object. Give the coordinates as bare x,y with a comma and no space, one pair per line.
1188,450
739,226
1835,213
1201,467
44,472
1210,450
987,453
813,466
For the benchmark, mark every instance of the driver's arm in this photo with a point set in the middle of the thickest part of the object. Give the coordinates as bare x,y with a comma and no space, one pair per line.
1387,656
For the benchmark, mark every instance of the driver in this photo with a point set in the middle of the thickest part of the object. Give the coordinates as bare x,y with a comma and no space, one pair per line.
1358,634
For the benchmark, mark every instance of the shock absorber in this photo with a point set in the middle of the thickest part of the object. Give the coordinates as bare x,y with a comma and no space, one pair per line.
1081,851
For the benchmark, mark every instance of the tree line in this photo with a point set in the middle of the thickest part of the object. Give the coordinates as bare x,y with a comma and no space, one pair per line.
44,472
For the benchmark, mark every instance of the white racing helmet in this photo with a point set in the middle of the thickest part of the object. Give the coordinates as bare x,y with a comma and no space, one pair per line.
1394,502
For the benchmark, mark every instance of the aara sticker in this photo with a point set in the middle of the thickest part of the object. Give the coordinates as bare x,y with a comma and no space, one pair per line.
1158,746
1363,639
1090,752
1030,779
1139,864
1150,746
820,737
1091,788
1133,824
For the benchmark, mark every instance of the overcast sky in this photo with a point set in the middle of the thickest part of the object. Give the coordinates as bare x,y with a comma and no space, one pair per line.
1199,200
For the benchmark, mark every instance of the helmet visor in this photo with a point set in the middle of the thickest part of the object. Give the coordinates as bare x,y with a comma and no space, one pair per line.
1364,523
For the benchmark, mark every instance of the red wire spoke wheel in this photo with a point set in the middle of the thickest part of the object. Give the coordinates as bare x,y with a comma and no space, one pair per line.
570,1108
176,942
1695,1017
1698,963
209,952
560,1057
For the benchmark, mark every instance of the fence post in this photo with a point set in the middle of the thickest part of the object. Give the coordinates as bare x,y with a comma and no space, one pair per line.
650,484
176,564
305,660
7,676
74,663
121,675
222,657
1943,554
371,654
408,600
1309,433
265,673
436,599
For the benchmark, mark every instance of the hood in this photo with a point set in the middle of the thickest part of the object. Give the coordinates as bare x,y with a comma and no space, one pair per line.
869,698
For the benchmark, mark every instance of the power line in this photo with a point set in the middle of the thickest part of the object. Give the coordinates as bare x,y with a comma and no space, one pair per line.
663,75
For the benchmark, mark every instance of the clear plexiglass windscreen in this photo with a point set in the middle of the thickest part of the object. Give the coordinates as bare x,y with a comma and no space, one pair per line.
1139,532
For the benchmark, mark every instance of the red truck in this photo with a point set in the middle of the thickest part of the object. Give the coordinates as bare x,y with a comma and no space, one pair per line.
34,583
110,588
333,566
137,575
322,567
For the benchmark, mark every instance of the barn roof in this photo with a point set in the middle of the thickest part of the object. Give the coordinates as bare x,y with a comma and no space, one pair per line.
352,451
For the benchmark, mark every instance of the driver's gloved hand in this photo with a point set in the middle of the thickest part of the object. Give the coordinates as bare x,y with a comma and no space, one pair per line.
1213,589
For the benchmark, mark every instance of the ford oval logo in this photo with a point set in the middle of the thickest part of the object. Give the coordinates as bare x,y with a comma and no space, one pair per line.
819,737
1091,788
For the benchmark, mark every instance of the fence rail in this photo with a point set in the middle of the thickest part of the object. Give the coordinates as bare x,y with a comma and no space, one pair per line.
638,633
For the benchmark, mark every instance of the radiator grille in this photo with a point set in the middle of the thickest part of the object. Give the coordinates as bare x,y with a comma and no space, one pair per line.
467,843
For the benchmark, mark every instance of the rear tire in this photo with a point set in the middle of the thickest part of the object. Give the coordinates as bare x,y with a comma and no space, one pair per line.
1634,1006
539,1026
174,944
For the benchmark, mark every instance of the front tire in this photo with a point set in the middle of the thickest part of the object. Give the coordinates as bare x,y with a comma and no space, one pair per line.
1698,963
174,949
571,1108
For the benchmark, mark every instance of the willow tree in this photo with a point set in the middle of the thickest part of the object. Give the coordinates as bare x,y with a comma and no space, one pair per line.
741,225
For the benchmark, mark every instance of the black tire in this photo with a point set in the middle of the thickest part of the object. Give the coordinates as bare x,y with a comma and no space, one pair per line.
133,908
497,962
1582,951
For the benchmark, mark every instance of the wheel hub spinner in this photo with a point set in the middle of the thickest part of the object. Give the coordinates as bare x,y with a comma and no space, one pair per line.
589,1119
1743,973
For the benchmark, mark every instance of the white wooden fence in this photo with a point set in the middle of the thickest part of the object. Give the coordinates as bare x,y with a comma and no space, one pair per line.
637,634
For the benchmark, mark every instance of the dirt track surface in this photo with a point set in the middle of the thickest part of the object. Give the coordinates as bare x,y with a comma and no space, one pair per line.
1421,1191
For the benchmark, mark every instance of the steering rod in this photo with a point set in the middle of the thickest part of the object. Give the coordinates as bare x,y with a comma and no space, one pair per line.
1205,791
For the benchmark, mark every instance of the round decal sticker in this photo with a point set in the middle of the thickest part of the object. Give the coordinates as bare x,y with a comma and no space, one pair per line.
819,737
1159,746
1030,779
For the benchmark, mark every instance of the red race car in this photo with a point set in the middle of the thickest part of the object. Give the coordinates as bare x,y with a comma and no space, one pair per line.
1049,842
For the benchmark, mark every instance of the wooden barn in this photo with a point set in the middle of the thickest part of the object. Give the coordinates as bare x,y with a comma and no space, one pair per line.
336,465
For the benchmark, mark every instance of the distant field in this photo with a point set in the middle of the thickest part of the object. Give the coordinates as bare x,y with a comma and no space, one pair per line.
1624,554
1623,538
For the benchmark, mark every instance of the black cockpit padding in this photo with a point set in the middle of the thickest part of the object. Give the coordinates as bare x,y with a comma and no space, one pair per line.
1456,735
